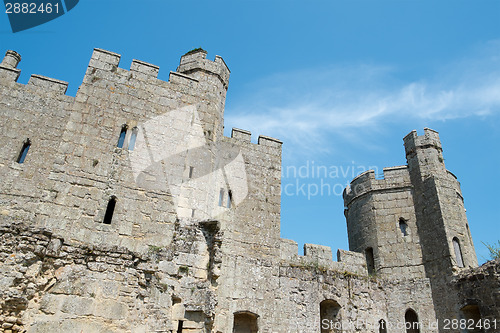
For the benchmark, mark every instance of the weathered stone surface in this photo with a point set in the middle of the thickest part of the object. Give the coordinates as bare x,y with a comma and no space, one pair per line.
192,243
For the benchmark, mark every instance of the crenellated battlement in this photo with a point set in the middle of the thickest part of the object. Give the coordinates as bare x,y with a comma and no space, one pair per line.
321,256
191,65
48,83
412,141
244,137
196,60
393,178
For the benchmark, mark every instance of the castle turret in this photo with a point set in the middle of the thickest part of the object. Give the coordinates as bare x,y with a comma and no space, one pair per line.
439,207
11,59
381,222
8,66
213,77
412,218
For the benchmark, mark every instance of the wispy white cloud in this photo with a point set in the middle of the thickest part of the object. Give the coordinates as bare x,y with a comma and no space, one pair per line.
306,106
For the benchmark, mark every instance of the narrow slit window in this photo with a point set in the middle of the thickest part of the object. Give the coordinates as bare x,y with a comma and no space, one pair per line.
458,252
133,138
370,261
229,199
191,169
110,210
179,326
403,226
221,197
121,139
382,326
24,151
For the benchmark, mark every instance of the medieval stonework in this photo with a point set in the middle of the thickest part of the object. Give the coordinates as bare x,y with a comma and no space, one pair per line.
126,209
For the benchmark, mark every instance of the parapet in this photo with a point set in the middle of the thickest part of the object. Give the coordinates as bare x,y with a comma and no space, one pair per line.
106,60
48,83
244,136
144,69
393,178
320,256
190,64
196,60
413,141
350,258
319,253
8,66
270,142
240,134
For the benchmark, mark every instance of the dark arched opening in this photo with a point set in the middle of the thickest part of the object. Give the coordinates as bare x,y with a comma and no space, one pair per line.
108,216
121,139
370,260
382,326
245,322
411,322
329,311
403,226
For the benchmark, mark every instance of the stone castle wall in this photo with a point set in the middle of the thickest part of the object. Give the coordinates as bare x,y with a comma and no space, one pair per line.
194,242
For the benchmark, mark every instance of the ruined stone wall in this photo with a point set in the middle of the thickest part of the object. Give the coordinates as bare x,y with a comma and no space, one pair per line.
479,287
51,285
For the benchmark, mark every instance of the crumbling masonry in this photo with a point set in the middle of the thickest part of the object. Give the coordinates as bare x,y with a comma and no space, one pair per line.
126,209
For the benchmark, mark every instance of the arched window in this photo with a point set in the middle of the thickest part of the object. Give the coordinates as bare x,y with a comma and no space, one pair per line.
329,313
24,151
471,314
133,138
108,216
382,326
370,260
245,322
121,139
458,252
411,322
403,226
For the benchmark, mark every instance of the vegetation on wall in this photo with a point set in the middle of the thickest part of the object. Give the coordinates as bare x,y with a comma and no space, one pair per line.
494,250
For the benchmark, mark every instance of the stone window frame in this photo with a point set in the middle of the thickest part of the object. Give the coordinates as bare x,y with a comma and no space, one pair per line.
127,138
23,153
122,136
245,313
110,210
404,228
457,250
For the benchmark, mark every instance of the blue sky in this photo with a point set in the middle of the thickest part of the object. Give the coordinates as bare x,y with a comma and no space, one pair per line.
340,82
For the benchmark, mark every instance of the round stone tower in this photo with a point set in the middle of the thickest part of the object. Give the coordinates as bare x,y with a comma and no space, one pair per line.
412,220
